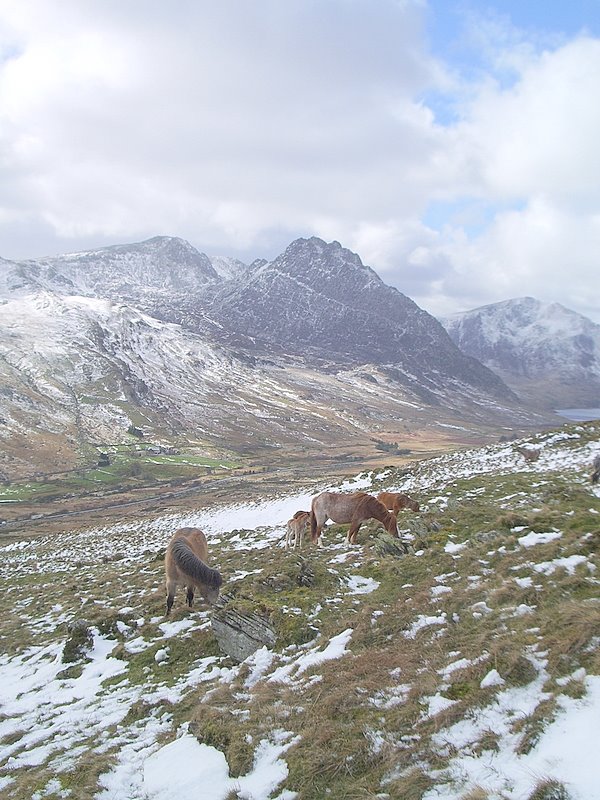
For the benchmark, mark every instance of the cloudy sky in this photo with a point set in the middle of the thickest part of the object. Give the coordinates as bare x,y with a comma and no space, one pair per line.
454,145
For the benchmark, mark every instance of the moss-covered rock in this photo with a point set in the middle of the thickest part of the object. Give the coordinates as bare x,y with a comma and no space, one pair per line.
80,641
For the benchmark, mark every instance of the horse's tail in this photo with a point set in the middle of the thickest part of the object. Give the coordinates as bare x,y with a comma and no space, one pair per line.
313,524
189,563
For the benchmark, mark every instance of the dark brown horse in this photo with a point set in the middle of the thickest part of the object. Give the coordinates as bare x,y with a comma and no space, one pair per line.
354,508
185,563
397,501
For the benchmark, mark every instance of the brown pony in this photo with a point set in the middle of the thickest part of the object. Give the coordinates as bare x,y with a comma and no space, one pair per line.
185,563
354,508
396,501
296,527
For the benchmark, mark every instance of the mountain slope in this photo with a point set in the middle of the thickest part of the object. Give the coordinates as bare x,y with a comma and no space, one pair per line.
319,299
546,353
127,272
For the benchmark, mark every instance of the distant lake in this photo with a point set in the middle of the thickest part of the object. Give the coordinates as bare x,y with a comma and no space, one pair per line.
579,414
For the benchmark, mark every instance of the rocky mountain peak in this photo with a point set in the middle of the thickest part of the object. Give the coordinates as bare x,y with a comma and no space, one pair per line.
316,260
318,299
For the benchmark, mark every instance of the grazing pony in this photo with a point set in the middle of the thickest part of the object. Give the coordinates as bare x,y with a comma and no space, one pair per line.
185,563
354,508
595,476
396,501
296,528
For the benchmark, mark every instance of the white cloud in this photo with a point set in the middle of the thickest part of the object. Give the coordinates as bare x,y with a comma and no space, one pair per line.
536,145
214,119
531,165
540,136
240,126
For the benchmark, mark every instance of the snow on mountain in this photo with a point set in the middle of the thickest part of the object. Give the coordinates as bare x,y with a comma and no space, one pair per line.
162,264
77,370
228,268
310,348
548,354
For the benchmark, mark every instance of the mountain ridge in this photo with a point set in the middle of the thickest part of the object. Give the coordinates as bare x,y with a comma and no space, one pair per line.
148,334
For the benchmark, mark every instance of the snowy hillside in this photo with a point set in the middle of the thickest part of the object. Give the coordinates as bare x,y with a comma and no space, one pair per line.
79,370
468,667
545,352
151,335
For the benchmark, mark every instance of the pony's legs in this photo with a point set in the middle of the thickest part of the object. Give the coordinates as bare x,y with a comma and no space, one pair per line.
319,529
190,596
171,589
352,533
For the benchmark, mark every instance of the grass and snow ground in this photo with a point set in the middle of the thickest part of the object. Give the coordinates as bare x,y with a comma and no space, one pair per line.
469,668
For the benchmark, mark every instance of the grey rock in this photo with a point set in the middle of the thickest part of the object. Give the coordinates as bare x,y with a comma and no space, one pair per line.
239,632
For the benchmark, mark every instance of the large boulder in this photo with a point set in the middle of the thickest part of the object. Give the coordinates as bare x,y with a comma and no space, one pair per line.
239,630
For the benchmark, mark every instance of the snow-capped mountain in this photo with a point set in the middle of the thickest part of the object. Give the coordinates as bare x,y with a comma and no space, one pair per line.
129,272
319,300
308,349
547,354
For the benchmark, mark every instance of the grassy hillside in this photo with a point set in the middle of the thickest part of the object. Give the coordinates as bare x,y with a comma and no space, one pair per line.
446,672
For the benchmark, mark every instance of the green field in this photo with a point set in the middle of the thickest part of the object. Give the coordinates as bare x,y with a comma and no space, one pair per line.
127,470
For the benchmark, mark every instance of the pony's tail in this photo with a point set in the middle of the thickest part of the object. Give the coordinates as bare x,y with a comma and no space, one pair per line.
313,525
189,563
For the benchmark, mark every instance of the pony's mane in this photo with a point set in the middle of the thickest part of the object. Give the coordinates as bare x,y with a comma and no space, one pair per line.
194,566
373,504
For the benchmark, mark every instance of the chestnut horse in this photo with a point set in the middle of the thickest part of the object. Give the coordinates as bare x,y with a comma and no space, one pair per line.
396,501
354,508
296,527
185,563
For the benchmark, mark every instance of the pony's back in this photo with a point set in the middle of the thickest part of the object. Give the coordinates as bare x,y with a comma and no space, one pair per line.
185,563
397,501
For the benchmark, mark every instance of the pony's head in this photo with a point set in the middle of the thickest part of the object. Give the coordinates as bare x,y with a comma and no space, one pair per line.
392,524
210,589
